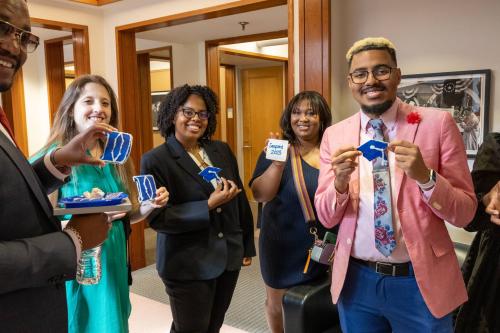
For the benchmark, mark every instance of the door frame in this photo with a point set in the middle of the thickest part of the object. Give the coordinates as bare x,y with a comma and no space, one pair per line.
237,114
212,49
128,82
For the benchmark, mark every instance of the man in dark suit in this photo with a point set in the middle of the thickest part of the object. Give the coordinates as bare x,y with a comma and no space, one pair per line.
35,255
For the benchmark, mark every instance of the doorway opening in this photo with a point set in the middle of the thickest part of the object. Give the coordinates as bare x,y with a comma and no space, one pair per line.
187,34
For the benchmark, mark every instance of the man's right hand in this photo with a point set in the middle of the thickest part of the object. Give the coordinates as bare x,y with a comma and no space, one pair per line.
343,165
75,151
93,228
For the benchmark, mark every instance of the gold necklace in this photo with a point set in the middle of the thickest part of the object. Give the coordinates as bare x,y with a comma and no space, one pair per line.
196,153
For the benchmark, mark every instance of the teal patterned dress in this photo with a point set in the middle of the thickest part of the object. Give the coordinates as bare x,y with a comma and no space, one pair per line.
104,307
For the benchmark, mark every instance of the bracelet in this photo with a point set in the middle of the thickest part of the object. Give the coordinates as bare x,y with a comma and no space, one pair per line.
62,168
72,231
52,158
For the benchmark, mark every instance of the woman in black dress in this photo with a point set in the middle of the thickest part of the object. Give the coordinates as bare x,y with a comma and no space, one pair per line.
285,237
481,268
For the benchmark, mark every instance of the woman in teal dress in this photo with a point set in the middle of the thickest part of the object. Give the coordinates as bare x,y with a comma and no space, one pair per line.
105,306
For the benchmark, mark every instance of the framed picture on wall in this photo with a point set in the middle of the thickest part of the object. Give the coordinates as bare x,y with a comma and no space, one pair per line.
465,95
156,98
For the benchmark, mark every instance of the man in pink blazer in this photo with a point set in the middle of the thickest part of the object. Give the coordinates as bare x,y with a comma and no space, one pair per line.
395,269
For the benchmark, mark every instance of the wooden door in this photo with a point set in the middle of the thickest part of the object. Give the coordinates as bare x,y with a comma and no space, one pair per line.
54,67
263,102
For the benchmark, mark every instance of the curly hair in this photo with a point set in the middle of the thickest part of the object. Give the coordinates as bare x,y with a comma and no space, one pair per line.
176,98
318,104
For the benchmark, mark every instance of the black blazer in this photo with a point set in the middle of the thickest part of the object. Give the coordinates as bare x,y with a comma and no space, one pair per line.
195,243
35,256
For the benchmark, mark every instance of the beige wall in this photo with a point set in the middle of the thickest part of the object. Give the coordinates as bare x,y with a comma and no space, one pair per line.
430,36
160,80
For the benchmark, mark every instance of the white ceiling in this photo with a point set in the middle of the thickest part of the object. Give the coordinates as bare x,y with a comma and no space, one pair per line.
264,20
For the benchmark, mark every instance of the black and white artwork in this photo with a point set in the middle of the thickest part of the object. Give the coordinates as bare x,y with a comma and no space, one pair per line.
156,98
465,95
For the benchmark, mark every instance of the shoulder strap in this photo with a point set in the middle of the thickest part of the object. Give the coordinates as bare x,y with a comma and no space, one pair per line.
300,185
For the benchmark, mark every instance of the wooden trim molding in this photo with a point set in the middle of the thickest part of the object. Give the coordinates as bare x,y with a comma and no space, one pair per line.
144,75
171,68
54,69
290,68
59,39
95,2
231,8
81,52
252,55
314,46
55,25
13,105
213,76
130,120
156,49
249,38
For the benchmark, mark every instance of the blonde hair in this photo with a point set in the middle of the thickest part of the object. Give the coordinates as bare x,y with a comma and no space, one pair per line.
64,128
371,43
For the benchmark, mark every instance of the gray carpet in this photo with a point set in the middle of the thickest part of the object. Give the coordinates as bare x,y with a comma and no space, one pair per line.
247,307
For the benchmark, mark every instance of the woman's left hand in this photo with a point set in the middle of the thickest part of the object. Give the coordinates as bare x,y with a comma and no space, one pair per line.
161,199
247,261
492,203
113,216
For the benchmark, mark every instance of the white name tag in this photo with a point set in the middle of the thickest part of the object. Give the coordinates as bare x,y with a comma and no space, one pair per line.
277,150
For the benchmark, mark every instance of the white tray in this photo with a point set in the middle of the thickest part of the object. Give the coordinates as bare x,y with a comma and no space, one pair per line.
125,206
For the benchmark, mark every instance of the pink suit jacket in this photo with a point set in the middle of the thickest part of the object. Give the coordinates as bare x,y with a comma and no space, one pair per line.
422,221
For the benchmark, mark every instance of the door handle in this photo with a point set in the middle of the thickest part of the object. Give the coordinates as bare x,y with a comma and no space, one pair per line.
247,146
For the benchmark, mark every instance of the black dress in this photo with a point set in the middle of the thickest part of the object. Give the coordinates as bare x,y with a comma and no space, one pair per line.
481,268
284,238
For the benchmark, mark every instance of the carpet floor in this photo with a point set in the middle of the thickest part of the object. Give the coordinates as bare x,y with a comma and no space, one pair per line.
246,311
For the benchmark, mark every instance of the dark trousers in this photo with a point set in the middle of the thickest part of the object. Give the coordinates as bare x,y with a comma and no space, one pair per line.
199,306
374,303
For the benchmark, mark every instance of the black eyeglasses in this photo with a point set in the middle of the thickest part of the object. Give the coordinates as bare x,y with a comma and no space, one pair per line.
190,113
380,73
25,39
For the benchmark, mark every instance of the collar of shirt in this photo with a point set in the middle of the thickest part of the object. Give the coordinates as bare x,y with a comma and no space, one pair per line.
388,117
7,134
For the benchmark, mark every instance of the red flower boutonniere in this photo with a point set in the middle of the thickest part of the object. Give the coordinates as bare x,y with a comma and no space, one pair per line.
413,118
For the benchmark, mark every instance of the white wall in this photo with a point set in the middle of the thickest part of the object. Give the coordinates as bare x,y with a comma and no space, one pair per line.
430,36
188,60
274,50
36,99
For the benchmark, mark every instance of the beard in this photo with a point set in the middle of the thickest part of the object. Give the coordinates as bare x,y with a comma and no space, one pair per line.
377,109
5,86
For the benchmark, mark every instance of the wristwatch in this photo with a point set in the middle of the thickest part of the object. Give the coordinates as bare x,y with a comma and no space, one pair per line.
430,183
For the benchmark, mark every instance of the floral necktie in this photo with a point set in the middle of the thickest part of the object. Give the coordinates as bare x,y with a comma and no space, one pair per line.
382,205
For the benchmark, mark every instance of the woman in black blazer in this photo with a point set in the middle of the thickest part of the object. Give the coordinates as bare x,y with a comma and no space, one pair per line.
205,233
